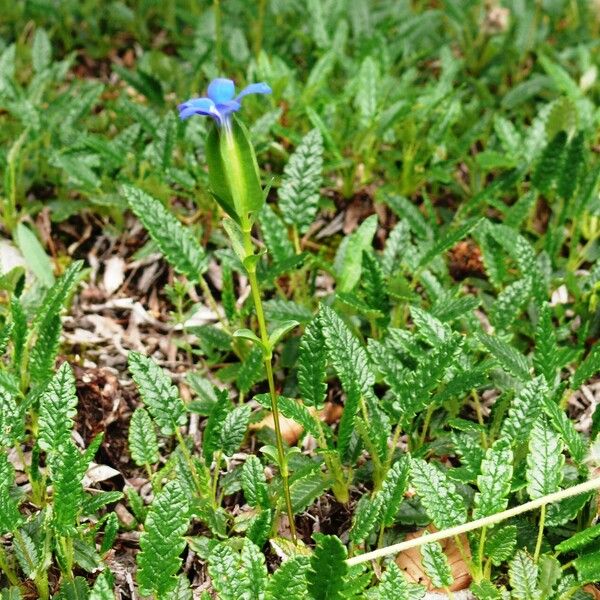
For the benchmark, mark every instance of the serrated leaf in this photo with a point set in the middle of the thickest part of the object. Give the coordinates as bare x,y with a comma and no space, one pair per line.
549,166
523,577
495,480
278,309
544,461
562,512
328,569
587,368
41,50
348,260
546,356
448,241
573,440
143,445
524,410
500,544
588,567
393,489
254,483
571,168
275,235
176,242
305,490
438,495
295,410
289,580
68,469
436,565
252,370
10,517
260,527
510,302
234,429
366,515
162,541
312,362
58,407
510,359
43,353
157,392
579,540
393,585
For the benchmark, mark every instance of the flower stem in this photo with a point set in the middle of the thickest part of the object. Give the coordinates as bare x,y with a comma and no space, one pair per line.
540,536
576,490
264,336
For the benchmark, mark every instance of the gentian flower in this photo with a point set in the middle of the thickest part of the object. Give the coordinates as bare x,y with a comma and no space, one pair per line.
221,102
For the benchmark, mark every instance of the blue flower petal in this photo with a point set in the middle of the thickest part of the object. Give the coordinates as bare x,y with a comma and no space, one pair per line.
197,106
254,88
221,90
226,108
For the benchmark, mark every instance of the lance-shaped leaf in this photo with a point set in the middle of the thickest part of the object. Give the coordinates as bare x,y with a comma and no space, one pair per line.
143,444
393,489
312,362
436,565
500,544
68,469
544,461
177,243
589,367
254,483
510,359
158,394
494,481
289,580
366,516
301,182
523,575
546,347
58,407
295,410
438,494
234,429
524,410
328,569
393,585
162,541
10,517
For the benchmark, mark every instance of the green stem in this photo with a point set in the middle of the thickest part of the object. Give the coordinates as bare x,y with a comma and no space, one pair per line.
481,549
5,566
212,303
215,481
426,422
189,460
218,34
540,536
259,27
264,336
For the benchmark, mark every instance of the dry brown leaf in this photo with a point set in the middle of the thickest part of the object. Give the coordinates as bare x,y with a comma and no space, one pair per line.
410,562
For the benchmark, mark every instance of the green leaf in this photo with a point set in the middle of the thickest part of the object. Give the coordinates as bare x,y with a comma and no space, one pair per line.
523,575
214,425
289,580
549,166
586,369
177,243
252,370
328,569
157,392
43,353
162,541
260,527
524,410
547,355
275,235
41,50
495,480
579,540
573,440
509,303
500,544
280,331
393,585
366,515
234,429
56,297
278,309
571,168
544,461
348,260
588,567
254,483
305,490
68,469
143,444
35,256
254,571
560,513
510,359
12,426
436,565
438,495
301,182
10,517
393,488
485,590
293,409
58,407
312,363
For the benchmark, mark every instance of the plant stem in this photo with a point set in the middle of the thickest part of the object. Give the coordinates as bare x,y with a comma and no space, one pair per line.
215,482
212,303
264,336
5,566
259,27
189,460
540,536
428,416
481,548
218,33
576,490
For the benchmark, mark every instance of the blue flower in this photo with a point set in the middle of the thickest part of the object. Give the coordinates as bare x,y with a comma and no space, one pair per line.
221,101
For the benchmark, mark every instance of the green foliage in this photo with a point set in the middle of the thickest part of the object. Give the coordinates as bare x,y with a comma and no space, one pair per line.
544,461
328,569
312,361
494,480
162,541
158,394
176,242
436,565
143,445
301,182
